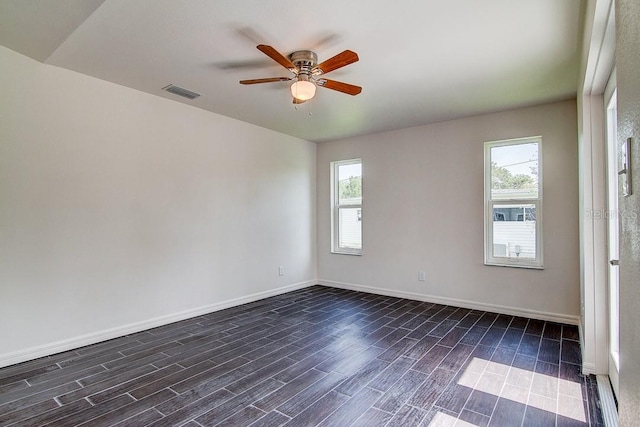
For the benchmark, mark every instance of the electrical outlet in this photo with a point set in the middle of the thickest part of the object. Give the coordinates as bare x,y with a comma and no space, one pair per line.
281,270
422,276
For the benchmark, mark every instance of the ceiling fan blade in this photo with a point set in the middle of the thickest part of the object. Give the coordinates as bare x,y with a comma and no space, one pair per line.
340,86
277,56
340,60
298,101
267,80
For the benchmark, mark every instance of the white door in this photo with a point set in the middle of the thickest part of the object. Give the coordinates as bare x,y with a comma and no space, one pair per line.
613,234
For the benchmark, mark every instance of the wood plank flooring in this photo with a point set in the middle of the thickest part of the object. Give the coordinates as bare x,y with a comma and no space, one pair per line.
315,357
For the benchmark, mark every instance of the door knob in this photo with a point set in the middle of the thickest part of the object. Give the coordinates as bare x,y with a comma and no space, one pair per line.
614,262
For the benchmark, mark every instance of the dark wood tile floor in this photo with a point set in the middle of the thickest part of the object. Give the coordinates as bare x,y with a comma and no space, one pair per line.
317,356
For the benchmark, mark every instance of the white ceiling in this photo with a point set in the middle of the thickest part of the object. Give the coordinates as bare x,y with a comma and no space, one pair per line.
421,61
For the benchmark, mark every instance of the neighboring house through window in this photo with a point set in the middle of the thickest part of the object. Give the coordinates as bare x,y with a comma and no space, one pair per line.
346,214
513,202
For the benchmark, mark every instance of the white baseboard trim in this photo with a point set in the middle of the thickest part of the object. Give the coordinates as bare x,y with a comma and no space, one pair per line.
494,308
608,404
586,368
589,369
96,337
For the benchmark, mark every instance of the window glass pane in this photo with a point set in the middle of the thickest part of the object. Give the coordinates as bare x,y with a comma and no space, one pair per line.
514,231
350,228
514,171
350,184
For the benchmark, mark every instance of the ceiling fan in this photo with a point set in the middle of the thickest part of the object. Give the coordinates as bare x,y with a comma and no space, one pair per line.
307,72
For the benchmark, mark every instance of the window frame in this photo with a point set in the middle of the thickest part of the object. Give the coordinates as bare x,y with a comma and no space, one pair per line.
489,258
336,207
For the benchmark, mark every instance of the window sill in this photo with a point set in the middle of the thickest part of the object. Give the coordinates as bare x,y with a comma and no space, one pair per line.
514,264
346,253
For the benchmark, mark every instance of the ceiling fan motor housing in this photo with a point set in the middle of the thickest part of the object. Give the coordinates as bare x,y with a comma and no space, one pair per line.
304,60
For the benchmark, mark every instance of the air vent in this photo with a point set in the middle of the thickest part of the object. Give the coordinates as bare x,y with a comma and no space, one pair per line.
177,90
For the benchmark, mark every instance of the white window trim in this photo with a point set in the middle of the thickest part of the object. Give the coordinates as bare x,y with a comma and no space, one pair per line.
489,259
335,210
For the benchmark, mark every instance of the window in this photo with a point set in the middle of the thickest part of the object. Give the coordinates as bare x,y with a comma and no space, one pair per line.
346,217
513,203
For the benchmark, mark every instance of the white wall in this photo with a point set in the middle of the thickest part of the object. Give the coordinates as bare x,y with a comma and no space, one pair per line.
423,210
627,65
120,210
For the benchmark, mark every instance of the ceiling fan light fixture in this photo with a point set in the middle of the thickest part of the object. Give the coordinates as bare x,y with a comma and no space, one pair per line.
304,65
303,90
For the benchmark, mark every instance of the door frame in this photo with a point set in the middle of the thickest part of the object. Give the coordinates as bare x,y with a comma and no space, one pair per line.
613,233
597,62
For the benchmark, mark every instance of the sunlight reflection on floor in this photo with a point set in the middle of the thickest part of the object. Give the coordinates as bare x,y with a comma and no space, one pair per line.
541,391
444,420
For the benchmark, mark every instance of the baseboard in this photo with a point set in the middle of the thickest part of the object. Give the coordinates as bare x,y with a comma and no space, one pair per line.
494,308
589,369
96,337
